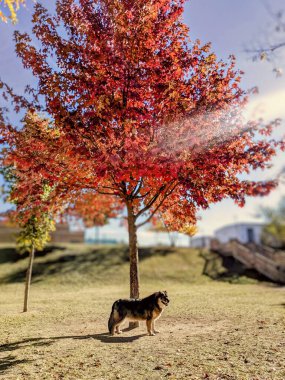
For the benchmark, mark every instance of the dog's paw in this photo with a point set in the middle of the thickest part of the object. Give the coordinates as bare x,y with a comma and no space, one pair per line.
151,333
156,331
119,331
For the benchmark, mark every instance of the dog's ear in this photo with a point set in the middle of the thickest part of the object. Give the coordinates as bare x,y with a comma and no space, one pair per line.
165,292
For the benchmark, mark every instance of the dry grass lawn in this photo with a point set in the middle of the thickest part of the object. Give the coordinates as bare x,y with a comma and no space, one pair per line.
211,330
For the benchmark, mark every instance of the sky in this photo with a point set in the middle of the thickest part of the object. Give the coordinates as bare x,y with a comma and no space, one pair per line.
230,26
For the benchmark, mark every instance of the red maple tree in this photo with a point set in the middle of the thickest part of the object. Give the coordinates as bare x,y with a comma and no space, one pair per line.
139,112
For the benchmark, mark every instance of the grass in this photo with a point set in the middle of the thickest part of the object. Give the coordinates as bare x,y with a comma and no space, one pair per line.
211,329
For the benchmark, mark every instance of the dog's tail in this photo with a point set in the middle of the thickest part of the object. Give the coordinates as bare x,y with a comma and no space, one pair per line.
112,321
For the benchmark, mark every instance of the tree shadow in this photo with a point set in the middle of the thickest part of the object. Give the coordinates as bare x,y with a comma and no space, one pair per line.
282,304
147,252
40,342
104,257
35,342
11,361
11,255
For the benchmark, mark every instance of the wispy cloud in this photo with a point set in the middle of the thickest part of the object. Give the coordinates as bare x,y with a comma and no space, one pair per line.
268,107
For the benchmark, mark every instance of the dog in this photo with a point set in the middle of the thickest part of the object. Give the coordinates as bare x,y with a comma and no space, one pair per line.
147,309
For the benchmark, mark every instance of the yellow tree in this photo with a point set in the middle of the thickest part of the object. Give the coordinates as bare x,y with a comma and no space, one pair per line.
34,235
12,7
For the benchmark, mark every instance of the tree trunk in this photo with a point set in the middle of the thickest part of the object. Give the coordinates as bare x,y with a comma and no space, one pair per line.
134,258
28,278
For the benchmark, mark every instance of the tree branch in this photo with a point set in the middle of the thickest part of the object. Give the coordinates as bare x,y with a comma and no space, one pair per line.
137,188
106,193
142,195
158,206
151,202
267,49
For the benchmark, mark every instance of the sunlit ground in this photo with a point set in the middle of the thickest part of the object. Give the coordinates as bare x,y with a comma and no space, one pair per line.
211,329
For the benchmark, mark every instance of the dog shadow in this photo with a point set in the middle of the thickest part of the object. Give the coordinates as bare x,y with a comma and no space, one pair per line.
107,338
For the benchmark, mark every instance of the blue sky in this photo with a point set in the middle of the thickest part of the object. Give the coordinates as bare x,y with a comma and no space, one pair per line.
230,25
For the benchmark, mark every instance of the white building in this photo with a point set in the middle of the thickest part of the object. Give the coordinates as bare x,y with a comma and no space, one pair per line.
243,232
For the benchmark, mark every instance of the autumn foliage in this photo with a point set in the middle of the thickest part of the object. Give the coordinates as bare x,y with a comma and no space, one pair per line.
95,209
137,111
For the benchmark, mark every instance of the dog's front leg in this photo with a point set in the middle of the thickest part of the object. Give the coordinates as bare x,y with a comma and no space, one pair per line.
153,327
149,327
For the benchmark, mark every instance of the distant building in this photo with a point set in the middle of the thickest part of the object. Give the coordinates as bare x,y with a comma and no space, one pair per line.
243,232
201,242
8,233
62,234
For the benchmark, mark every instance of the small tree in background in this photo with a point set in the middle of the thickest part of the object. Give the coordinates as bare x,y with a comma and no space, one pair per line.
274,231
163,223
32,212
34,235
158,225
190,230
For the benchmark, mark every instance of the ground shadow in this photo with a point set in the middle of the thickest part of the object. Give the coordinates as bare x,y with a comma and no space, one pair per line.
279,305
228,269
107,338
36,342
10,361
147,252
10,254
104,257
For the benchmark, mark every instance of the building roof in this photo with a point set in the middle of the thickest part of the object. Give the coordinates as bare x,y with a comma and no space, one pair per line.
240,224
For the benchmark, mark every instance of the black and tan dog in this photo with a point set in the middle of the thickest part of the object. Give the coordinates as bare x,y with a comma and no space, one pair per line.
147,309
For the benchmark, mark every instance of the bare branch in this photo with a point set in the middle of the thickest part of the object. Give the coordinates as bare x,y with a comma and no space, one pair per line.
158,206
151,202
142,195
266,49
271,46
137,188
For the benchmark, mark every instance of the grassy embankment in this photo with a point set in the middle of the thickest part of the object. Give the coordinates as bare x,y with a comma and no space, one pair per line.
211,330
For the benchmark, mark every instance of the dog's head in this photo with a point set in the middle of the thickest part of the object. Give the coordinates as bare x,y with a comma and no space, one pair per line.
163,298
